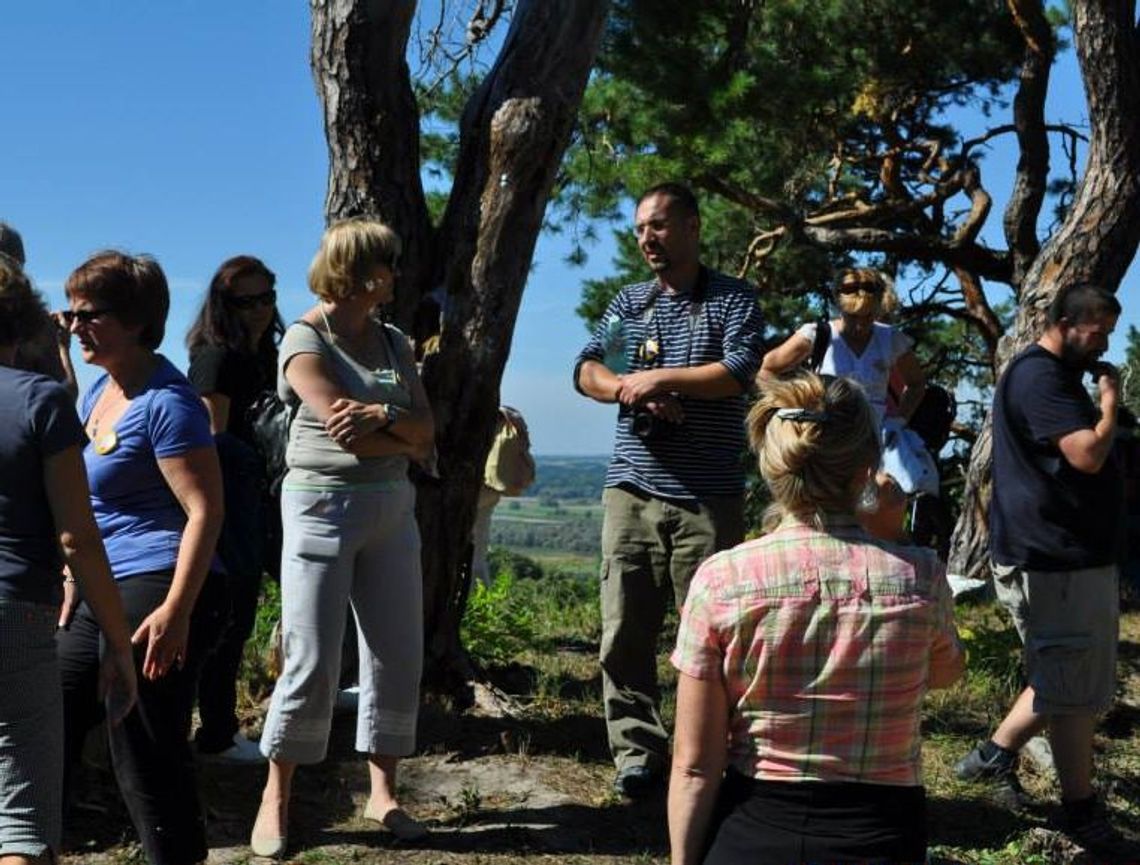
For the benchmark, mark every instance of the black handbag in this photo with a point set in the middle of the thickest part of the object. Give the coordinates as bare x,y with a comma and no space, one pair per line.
269,420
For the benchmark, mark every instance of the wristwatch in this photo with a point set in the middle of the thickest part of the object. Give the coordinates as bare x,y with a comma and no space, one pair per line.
392,412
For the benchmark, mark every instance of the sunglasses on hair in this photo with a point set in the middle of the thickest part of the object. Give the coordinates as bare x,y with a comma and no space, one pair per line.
249,301
852,287
83,316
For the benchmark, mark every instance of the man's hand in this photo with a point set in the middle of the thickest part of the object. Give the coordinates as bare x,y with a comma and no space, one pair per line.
1107,378
638,387
62,331
666,407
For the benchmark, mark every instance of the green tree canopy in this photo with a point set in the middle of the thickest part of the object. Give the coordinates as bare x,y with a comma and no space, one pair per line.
816,135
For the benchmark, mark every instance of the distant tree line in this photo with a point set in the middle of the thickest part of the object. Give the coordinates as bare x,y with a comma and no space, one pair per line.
569,480
571,534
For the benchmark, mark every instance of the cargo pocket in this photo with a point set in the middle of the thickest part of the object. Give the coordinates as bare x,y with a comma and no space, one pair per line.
1062,673
609,584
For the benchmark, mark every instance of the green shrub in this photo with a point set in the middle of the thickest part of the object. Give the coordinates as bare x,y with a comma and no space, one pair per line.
257,673
993,658
497,624
501,560
564,606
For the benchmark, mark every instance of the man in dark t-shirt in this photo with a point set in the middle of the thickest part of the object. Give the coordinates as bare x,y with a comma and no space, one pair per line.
1054,538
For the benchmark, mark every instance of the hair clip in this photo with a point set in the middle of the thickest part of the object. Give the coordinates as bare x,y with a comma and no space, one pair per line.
802,415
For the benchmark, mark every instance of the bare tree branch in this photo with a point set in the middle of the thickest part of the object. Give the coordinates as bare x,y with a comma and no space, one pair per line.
1031,181
756,203
988,263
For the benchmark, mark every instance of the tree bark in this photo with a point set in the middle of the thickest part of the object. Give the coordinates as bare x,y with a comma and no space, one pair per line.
512,136
358,58
1098,239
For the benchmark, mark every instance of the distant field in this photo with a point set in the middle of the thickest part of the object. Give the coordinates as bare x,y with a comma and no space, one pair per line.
569,563
535,510
561,514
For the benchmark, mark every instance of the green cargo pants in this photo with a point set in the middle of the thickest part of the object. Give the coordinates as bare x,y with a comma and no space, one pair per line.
650,549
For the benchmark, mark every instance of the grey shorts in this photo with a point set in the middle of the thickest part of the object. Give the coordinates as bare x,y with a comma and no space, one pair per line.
31,732
1069,622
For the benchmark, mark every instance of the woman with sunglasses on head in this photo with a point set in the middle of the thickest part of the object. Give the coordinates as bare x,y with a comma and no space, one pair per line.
233,364
864,349
804,656
156,491
348,511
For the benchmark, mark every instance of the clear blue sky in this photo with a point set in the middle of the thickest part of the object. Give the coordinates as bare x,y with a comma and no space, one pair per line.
191,131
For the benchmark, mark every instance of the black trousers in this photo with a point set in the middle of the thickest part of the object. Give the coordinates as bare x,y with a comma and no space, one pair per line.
783,823
242,550
149,749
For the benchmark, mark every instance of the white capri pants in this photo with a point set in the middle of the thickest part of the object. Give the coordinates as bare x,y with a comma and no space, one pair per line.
362,547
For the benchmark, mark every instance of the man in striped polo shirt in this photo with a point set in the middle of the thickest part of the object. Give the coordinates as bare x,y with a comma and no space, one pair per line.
677,354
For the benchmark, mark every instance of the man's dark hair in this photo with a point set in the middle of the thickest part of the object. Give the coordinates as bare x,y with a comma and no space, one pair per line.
1081,303
680,193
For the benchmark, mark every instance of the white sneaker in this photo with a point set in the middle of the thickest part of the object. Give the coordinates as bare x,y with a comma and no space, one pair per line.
241,751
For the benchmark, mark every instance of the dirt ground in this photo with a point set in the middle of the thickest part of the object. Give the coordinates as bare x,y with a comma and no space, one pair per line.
502,791
505,797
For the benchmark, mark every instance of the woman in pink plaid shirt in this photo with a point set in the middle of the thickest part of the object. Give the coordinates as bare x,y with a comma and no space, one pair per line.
804,656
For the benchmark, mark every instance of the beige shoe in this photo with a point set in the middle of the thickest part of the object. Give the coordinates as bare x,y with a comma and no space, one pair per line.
399,823
269,846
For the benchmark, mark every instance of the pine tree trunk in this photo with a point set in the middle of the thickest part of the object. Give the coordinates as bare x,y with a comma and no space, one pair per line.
513,133
372,128
1098,238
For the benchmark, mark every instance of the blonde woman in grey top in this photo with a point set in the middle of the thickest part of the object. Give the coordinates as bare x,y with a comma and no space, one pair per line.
348,512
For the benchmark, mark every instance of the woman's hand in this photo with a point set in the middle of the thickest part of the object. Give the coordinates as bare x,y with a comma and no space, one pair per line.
117,682
62,330
165,632
350,420
70,600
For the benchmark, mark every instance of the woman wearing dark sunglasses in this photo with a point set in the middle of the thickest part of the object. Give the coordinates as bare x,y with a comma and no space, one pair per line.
872,353
156,492
233,363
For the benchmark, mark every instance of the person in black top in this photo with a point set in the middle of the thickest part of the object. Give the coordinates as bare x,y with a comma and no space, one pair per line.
1054,535
233,361
46,524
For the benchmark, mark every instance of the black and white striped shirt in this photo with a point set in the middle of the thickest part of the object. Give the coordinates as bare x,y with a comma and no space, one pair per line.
701,457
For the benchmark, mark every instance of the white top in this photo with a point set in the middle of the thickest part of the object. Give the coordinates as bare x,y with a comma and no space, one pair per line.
872,368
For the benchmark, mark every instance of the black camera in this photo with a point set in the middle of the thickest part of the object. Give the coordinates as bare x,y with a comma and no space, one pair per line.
648,427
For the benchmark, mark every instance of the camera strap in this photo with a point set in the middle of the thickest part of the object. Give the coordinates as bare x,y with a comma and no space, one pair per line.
650,350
